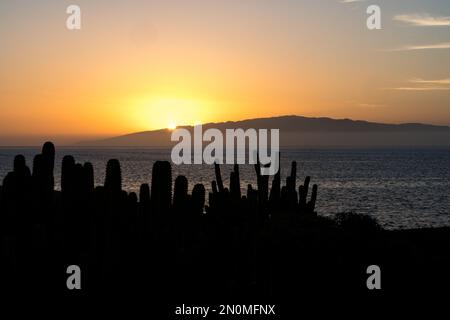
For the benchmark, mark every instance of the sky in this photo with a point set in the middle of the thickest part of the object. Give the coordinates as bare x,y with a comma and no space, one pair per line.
140,65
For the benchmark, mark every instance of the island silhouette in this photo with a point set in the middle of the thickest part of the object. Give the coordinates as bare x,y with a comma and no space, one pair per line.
298,131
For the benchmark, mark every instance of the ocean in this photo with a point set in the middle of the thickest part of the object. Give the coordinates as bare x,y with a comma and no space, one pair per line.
401,188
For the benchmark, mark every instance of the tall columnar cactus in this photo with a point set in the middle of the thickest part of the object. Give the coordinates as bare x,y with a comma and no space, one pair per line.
38,168
113,179
180,195
263,184
38,194
79,179
22,175
293,176
19,164
161,194
214,187
132,205
144,194
198,199
235,183
144,206
303,193
274,197
312,203
218,177
291,199
88,176
67,174
48,164
21,171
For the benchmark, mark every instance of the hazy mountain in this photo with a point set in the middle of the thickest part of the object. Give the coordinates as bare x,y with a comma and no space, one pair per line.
306,132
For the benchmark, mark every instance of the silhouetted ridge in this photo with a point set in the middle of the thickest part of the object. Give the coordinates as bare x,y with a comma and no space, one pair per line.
303,131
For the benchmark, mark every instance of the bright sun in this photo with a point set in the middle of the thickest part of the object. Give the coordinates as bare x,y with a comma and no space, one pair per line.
172,126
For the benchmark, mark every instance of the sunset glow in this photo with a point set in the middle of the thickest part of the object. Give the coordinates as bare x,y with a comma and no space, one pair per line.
138,66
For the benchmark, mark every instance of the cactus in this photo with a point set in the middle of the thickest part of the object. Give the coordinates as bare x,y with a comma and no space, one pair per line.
291,199
88,176
312,202
218,177
274,197
235,183
132,205
293,176
198,199
37,167
180,195
263,184
161,191
214,187
48,164
113,179
144,194
67,174
19,164
303,194
78,171
112,226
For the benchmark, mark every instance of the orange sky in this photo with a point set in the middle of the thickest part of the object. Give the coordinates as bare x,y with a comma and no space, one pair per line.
136,66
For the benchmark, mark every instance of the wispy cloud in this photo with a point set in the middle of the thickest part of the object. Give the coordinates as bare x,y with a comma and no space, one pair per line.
371,105
423,20
444,45
351,1
421,89
439,81
426,85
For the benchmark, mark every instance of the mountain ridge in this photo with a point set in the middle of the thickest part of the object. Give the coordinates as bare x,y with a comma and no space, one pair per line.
304,131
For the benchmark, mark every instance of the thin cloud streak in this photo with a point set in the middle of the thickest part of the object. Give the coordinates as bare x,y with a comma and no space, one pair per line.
371,105
351,1
424,20
440,81
445,45
420,89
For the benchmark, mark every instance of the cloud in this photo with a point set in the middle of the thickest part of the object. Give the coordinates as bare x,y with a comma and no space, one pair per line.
423,20
371,105
421,88
444,45
440,81
427,85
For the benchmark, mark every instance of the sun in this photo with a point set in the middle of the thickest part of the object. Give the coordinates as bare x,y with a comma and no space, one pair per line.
172,126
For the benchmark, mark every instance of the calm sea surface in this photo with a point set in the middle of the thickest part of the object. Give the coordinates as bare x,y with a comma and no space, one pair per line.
402,188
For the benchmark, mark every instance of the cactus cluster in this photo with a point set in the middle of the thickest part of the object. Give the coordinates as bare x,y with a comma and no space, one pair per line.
105,225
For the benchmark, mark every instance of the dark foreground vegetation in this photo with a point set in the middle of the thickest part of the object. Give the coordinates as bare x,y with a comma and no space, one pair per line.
266,244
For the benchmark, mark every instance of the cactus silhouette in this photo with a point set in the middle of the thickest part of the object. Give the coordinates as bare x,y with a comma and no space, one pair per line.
48,163
235,184
303,194
198,199
180,196
218,177
113,179
120,235
161,189
275,191
88,176
67,175
312,202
